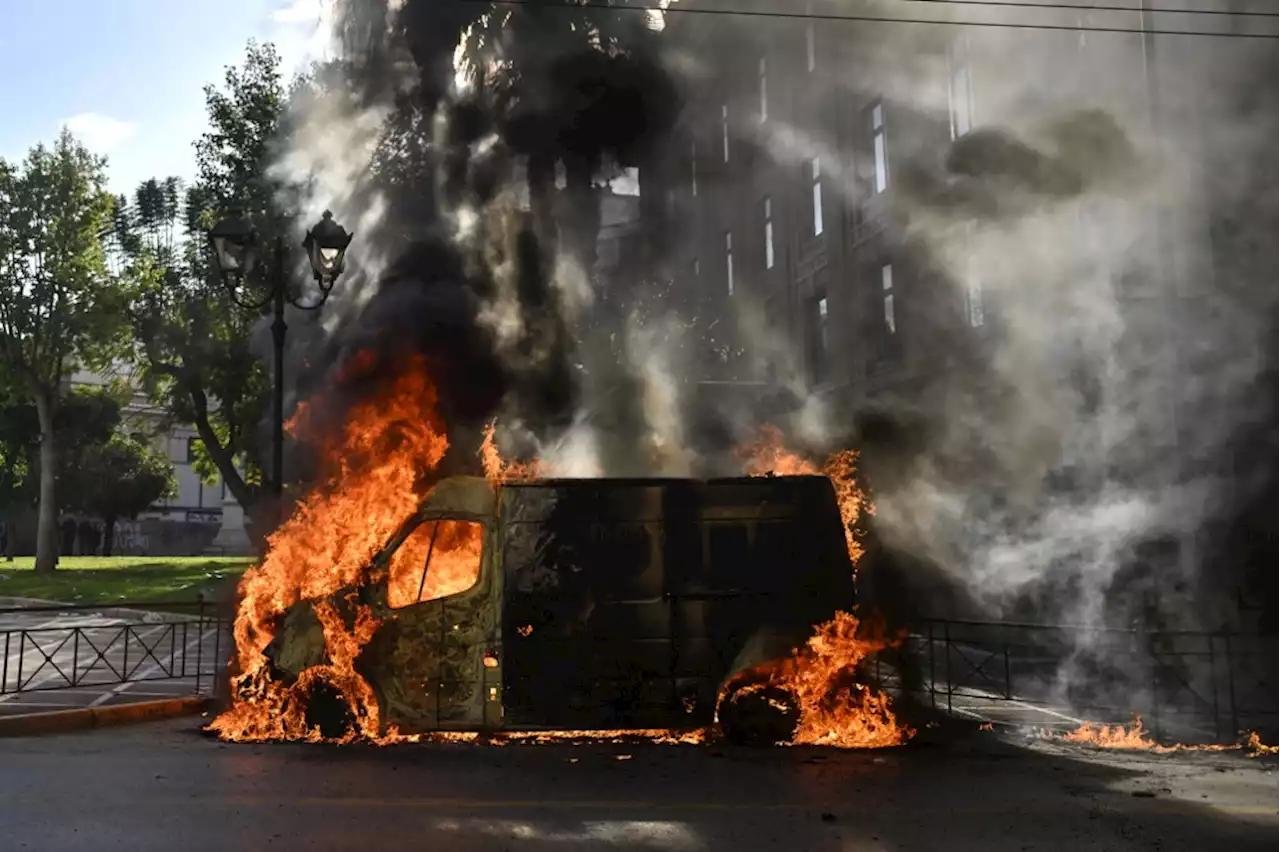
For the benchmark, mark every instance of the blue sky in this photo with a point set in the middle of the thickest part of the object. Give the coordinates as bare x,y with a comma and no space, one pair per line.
127,76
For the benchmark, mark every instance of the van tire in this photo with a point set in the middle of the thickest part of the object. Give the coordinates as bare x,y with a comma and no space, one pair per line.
759,715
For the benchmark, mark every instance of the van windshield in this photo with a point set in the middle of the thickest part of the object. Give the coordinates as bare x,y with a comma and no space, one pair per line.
439,558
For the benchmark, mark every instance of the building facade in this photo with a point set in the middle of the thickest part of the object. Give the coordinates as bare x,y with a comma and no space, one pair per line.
992,233
189,520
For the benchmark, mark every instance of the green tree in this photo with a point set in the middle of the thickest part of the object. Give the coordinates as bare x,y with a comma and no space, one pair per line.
193,339
60,308
85,419
120,478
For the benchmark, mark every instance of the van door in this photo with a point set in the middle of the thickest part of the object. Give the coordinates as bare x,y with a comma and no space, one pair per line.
435,662
586,631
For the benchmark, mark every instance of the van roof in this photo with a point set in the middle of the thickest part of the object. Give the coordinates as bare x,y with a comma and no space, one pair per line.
570,482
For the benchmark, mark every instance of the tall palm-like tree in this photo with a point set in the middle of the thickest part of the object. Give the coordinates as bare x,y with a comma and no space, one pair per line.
571,85
577,86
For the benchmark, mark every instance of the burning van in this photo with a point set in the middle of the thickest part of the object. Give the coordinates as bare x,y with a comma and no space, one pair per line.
581,604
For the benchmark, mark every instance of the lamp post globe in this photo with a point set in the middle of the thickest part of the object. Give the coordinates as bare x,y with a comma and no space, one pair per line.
326,244
235,247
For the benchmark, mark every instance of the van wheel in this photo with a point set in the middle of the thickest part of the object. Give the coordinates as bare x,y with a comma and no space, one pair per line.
327,709
759,715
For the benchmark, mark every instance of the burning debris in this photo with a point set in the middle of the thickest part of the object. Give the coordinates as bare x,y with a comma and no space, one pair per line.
318,608
1135,737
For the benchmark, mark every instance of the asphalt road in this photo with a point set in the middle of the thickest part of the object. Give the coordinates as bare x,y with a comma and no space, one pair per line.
165,786
52,660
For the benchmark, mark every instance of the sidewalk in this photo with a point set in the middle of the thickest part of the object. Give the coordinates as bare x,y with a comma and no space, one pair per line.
55,659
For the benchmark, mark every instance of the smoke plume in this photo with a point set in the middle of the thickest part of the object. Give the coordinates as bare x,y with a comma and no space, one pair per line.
1091,326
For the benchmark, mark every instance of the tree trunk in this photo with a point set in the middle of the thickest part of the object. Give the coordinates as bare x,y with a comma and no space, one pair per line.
108,534
47,524
583,219
258,514
541,177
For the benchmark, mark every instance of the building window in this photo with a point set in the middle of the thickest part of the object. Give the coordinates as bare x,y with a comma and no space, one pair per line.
192,443
724,129
973,296
764,89
886,286
811,47
693,169
768,234
880,147
959,92
823,342
728,259
819,343
815,168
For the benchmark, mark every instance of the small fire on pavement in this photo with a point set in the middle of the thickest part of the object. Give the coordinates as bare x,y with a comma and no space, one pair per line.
1135,737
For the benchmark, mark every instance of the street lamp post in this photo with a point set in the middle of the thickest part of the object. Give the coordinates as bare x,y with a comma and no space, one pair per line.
235,247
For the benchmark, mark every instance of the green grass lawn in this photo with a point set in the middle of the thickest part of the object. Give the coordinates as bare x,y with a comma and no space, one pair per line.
111,579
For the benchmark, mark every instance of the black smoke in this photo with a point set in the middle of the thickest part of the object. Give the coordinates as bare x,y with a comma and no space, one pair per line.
447,155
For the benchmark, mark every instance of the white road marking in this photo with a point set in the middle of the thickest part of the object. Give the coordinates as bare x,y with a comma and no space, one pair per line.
151,669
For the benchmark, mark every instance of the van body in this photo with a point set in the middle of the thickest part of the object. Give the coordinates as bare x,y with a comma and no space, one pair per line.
596,603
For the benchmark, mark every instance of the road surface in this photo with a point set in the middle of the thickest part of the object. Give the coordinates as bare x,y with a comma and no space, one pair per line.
165,786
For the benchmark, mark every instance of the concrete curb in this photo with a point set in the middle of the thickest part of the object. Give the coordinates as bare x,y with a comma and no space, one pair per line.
58,721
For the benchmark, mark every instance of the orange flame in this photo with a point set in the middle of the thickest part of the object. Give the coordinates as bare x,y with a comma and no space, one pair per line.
497,469
835,708
380,466
1134,737
769,456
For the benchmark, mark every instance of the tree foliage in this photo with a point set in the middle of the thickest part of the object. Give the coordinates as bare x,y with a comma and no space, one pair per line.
85,419
193,339
60,308
120,478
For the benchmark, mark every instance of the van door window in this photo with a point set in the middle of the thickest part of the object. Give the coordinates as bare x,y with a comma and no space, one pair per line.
438,559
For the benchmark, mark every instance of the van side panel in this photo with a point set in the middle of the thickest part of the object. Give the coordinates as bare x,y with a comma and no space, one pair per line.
628,602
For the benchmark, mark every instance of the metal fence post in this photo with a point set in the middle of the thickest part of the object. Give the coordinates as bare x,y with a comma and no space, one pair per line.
1213,688
1230,685
199,639
4,672
946,649
933,677
75,654
1008,680
1155,683
220,673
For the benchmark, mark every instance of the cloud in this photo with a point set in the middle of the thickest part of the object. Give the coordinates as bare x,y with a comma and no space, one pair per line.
299,12
98,132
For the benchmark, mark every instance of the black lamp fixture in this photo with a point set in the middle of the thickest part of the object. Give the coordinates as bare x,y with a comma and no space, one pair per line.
235,246
326,246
